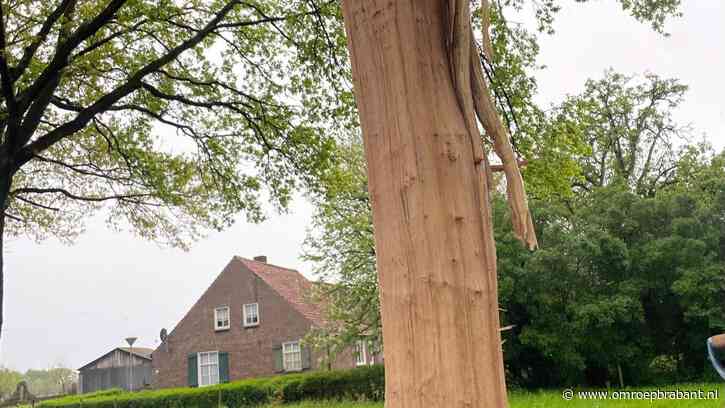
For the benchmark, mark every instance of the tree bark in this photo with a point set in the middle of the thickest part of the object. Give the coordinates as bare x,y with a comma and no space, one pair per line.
433,235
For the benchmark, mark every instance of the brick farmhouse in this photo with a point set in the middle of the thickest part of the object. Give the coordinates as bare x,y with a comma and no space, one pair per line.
248,323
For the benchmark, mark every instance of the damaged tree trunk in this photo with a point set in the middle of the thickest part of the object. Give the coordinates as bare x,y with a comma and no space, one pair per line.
417,96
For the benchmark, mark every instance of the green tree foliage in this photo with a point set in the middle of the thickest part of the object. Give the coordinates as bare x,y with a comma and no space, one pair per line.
624,281
171,116
9,379
53,381
629,129
342,248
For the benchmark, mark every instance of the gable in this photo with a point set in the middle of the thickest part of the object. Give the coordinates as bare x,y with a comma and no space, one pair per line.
140,353
290,284
233,287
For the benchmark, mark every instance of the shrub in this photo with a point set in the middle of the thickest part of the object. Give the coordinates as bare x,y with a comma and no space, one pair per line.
363,383
664,369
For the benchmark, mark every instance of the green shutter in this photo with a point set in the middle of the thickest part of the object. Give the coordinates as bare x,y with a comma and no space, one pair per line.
278,363
223,367
193,370
306,358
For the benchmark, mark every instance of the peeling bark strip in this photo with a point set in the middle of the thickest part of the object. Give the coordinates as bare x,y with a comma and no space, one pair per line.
434,242
486,23
488,116
520,216
474,99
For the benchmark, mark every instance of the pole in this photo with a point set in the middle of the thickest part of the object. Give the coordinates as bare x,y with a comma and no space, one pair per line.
130,384
130,341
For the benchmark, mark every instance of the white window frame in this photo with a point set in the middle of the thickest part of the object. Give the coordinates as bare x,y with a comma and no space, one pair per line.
285,353
216,318
244,314
199,367
361,353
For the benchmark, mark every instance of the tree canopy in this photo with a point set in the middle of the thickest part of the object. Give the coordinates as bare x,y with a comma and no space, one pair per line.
176,114
172,117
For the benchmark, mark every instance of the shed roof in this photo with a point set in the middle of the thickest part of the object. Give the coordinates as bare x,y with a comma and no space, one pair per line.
142,352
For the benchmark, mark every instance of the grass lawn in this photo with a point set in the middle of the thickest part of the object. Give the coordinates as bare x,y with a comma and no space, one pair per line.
553,399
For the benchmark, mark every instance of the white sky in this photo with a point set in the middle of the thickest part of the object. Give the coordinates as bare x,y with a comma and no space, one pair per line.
70,304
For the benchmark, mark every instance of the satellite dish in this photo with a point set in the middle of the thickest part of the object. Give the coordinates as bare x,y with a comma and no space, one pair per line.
163,335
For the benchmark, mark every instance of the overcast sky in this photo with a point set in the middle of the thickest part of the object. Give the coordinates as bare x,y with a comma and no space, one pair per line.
70,304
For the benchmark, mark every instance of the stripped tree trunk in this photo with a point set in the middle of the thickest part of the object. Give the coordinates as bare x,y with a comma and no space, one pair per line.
427,174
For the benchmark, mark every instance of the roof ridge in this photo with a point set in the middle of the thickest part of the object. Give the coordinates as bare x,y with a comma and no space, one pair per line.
270,264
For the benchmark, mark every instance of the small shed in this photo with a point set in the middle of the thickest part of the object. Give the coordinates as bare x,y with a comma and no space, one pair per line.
122,367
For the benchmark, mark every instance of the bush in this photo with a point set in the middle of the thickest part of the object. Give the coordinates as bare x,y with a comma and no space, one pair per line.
366,383
664,369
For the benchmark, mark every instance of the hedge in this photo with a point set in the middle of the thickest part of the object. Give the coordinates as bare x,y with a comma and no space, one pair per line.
363,383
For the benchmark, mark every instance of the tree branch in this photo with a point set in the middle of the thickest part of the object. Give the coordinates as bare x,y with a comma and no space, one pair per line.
32,190
31,202
40,37
66,47
133,83
6,81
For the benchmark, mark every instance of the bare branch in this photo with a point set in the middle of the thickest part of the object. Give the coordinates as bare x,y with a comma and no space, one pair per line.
31,202
32,190
40,37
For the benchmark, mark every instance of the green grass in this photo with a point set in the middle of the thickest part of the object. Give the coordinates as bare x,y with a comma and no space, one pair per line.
553,399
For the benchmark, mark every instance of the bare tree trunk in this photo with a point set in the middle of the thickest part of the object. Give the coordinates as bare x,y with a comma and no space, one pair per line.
436,255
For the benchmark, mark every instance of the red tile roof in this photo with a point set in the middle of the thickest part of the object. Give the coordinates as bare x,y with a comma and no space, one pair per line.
290,284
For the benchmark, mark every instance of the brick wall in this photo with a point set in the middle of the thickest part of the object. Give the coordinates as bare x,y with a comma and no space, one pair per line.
250,349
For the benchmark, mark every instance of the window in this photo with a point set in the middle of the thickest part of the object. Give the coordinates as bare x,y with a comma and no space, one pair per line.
292,356
221,318
361,353
251,314
208,368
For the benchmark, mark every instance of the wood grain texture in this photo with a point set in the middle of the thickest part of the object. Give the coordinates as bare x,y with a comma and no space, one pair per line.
523,224
433,235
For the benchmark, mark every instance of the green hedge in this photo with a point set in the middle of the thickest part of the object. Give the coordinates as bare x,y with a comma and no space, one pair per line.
359,383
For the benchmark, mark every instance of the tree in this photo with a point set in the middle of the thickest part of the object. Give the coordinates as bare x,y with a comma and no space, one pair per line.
624,282
9,380
414,87
341,246
171,117
419,89
630,130
51,381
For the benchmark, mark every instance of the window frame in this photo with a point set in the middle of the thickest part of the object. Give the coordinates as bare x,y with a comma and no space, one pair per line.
361,353
216,318
244,314
285,353
199,375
